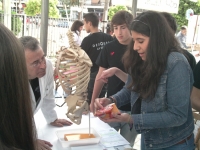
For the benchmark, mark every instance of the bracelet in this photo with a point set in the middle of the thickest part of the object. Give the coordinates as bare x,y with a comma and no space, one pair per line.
112,99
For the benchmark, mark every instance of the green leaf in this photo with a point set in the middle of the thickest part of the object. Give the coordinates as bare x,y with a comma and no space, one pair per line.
33,7
184,5
114,9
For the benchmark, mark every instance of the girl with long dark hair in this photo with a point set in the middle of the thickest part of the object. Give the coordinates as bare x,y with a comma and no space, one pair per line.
159,85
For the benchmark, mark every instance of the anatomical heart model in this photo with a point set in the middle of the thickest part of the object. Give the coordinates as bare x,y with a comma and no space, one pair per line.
73,70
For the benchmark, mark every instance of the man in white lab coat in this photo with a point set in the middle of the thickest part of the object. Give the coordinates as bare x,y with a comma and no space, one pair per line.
40,74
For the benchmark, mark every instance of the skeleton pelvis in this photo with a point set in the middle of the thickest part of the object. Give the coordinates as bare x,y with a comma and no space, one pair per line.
76,107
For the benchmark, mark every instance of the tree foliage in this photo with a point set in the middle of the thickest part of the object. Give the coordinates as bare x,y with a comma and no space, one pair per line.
114,9
16,23
33,7
184,5
70,2
53,11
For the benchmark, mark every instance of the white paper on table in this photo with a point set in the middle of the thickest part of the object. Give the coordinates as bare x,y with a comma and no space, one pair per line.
87,147
98,147
110,138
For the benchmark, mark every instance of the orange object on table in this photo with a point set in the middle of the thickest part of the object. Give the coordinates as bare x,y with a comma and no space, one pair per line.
77,136
106,112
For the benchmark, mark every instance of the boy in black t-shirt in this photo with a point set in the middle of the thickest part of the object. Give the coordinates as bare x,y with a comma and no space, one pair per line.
92,45
111,56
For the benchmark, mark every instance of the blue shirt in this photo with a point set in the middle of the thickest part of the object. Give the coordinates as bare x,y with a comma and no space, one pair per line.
182,40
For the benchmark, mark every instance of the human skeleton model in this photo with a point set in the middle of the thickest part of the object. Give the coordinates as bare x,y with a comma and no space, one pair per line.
73,69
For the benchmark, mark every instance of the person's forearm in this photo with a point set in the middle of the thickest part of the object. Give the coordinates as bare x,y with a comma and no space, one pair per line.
97,89
196,105
121,75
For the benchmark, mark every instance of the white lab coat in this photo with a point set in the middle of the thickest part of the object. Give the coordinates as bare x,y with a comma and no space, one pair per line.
47,102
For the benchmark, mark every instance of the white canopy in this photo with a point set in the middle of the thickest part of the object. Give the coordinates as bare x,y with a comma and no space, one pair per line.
170,6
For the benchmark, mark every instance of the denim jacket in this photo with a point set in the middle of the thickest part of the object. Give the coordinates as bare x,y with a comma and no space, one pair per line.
167,118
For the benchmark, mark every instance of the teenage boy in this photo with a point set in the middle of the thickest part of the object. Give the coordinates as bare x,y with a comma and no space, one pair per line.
92,45
109,57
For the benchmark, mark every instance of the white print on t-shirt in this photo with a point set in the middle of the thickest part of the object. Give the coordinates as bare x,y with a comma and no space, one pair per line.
100,45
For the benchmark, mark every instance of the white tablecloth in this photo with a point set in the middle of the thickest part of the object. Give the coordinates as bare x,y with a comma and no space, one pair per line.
48,132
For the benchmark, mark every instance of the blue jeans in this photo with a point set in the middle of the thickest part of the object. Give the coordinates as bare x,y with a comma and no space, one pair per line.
129,135
187,145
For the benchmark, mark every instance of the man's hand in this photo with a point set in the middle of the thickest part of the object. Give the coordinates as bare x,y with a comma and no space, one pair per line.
106,74
111,72
43,145
61,123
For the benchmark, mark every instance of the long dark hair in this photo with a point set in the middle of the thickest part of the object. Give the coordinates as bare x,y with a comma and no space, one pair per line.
146,74
76,25
17,128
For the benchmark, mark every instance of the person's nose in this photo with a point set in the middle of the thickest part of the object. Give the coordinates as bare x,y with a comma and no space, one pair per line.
135,46
119,31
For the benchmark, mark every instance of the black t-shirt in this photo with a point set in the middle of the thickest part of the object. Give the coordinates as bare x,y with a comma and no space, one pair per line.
36,89
111,56
93,44
190,58
197,76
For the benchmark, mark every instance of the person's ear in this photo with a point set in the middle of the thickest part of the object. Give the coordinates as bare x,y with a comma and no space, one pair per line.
90,23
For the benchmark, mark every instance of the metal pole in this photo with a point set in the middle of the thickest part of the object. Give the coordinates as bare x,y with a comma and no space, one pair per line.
19,5
81,15
105,15
44,25
66,13
134,8
7,13
81,5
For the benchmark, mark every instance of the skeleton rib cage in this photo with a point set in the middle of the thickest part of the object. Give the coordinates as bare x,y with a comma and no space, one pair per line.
73,70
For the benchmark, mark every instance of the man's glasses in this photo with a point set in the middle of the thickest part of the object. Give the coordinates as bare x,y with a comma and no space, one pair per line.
38,62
